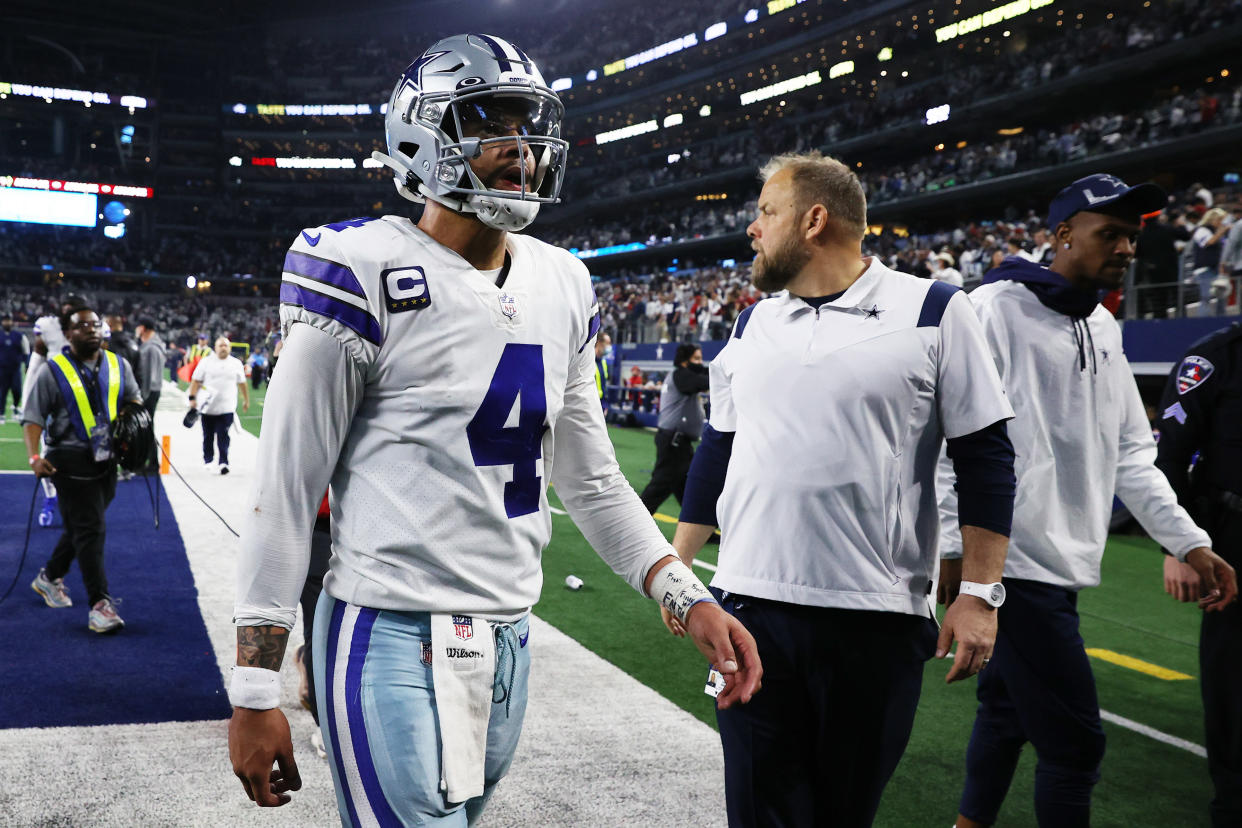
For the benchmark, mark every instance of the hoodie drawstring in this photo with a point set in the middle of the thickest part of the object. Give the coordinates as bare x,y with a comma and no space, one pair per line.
1085,341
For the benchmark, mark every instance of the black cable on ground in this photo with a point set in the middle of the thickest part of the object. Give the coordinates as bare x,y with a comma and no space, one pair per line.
196,494
25,546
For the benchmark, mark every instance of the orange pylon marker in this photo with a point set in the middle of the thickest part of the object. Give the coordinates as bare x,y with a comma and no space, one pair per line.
167,442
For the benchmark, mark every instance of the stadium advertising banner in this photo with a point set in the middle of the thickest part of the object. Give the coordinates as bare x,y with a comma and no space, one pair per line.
48,207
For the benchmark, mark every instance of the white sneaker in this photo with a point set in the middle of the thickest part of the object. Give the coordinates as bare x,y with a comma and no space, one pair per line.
54,593
317,744
103,617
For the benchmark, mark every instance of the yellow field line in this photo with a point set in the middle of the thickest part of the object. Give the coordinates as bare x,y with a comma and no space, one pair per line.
1131,663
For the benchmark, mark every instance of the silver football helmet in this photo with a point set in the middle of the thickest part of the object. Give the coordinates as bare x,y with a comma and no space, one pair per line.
463,95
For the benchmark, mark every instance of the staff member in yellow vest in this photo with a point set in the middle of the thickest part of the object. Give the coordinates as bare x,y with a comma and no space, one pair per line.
76,400
603,372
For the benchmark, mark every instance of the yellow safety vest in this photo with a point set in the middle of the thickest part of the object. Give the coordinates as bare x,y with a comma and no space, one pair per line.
78,403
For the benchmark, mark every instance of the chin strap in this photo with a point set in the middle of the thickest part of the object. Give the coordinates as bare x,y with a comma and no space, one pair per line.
403,174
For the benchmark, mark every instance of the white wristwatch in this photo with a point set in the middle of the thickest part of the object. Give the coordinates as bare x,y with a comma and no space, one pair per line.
993,594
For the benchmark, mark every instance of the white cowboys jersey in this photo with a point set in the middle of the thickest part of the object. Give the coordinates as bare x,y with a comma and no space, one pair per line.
440,426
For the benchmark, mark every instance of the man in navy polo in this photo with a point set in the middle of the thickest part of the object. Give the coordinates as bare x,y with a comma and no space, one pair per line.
830,404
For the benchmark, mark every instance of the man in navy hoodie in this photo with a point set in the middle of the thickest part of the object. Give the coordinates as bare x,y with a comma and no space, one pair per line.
1080,425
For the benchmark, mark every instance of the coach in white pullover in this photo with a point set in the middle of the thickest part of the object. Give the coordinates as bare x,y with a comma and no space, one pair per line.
1081,433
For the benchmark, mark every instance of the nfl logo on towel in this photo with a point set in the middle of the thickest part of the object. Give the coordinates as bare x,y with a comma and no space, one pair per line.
463,625
508,305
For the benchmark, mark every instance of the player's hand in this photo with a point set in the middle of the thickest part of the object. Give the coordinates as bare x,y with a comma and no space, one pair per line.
257,739
730,647
1218,581
42,468
674,625
972,623
950,581
1180,580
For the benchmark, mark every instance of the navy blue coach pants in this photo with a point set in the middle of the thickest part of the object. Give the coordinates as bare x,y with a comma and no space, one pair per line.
819,742
1038,688
216,430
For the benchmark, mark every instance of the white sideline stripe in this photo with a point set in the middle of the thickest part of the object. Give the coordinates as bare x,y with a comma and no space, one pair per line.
1152,733
327,289
704,564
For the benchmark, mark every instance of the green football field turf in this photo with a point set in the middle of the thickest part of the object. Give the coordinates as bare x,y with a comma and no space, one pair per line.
1144,782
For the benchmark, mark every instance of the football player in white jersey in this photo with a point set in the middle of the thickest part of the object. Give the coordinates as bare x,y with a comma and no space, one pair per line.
437,376
49,340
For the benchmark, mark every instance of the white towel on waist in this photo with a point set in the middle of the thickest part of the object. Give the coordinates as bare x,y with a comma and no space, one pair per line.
463,669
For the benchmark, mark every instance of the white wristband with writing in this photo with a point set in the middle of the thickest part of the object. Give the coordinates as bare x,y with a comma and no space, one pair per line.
677,589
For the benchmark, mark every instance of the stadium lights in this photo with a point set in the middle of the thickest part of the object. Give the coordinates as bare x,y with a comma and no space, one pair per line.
235,161
673,120
989,18
674,158
780,88
1010,131
654,53
115,231
561,84
705,110
937,114
90,188
299,163
52,93
302,109
885,54
845,67
190,282
715,30
607,251
592,76
778,6
751,16
626,132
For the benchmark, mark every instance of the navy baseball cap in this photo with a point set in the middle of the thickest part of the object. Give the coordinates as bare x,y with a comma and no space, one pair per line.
1096,191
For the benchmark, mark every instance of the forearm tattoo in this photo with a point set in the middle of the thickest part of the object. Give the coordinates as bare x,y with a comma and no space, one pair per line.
261,646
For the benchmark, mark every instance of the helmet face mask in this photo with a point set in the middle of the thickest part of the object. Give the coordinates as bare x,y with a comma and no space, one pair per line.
467,96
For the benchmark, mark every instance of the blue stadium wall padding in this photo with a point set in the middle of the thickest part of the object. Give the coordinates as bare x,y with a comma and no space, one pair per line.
1165,340
160,668
658,351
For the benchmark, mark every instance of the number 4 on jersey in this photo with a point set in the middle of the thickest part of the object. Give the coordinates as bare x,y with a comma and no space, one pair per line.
518,378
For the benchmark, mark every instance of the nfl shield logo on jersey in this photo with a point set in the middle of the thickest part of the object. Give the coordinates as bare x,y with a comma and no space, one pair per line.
1192,373
463,626
508,305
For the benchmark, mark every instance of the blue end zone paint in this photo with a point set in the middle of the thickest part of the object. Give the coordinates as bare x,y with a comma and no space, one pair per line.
160,668
937,299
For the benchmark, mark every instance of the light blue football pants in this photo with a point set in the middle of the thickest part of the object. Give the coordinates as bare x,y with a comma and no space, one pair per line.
377,711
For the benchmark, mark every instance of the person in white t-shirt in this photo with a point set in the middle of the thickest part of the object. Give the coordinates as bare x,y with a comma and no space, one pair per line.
219,376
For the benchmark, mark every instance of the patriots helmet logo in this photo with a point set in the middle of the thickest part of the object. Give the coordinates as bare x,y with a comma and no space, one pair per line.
1192,373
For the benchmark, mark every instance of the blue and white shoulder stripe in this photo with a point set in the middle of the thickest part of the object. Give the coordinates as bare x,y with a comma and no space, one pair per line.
323,284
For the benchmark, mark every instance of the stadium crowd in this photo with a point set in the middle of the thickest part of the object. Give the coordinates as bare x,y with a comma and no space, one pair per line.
640,306
180,320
